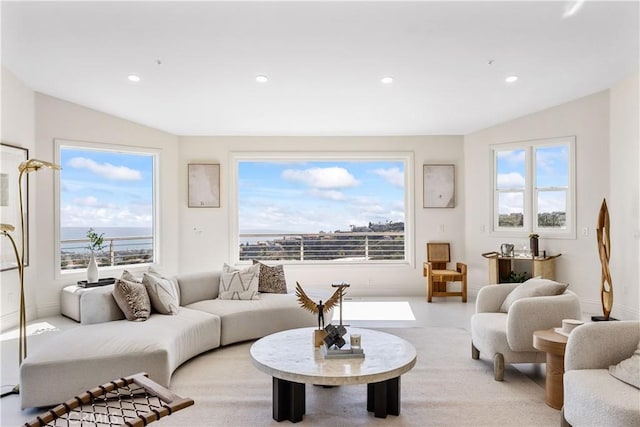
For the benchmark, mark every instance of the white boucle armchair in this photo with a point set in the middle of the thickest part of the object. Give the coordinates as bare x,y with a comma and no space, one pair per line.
508,337
593,397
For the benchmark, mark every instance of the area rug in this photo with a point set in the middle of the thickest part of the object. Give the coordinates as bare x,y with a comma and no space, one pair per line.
445,388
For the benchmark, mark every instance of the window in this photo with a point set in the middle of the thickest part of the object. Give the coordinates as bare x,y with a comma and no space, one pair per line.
533,188
109,189
306,207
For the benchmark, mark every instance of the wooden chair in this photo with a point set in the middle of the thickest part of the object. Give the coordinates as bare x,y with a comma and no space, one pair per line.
437,275
134,401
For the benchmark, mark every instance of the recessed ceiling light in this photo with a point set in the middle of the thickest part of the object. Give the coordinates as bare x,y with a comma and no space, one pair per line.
262,79
133,78
386,80
511,79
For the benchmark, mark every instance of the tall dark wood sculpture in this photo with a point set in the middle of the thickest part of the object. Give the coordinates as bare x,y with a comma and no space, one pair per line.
604,251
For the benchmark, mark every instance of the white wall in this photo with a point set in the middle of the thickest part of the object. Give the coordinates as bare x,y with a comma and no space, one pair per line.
60,119
588,119
18,128
210,248
624,193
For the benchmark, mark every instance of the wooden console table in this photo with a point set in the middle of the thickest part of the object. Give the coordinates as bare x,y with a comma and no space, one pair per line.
500,266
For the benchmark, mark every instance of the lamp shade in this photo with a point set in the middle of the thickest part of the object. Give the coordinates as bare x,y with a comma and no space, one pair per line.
35,164
5,228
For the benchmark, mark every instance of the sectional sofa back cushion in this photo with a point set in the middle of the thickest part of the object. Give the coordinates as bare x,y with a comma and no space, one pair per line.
196,287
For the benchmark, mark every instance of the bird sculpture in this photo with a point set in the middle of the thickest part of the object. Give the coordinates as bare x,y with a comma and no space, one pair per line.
318,308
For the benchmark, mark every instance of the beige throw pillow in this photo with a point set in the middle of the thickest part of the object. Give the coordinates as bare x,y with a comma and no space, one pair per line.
271,279
132,299
534,287
629,369
239,284
162,293
126,275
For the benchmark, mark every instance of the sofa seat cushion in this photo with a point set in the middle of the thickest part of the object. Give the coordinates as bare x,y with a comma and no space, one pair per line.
489,336
90,355
592,397
251,319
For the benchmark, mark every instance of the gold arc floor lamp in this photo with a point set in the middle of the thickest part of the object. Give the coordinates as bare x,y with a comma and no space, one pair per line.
25,167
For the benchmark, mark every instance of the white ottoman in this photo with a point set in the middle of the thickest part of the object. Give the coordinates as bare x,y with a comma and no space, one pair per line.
89,305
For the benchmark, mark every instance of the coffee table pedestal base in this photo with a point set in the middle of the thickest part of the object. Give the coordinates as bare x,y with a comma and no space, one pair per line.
383,398
288,400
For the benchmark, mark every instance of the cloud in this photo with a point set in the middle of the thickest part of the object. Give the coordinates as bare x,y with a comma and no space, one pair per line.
108,215
85,201
510,180
105,170
394,176
328,194
330,178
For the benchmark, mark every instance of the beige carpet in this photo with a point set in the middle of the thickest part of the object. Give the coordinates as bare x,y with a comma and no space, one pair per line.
445,388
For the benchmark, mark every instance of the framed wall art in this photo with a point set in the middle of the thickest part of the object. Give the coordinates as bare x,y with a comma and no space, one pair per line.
439,186
204,185
11,156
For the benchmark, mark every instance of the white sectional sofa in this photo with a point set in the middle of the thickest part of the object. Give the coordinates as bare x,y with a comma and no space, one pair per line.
106,347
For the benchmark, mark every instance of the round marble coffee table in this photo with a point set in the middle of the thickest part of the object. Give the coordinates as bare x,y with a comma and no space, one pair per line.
292,360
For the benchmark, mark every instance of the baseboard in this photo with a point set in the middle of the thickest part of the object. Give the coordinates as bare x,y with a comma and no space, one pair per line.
48,310
619,311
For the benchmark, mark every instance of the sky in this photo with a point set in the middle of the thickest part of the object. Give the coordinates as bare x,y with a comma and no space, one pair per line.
105,189
314,196
551,170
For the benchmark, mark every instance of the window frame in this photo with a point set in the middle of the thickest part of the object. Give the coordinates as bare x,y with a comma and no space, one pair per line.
531,191
409,182
155,227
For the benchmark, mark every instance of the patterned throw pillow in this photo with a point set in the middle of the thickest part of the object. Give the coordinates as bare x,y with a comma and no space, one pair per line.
271,279
239,284
133,300
162,293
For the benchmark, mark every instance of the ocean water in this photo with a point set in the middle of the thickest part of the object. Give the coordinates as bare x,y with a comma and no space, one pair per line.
74,233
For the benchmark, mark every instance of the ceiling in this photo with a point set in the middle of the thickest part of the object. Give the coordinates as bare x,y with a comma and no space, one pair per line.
198,61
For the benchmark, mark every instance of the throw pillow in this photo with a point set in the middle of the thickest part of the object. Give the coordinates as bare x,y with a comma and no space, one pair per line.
239,284
271,279
132,299
162,293
126,275
629,369
534,287
173,280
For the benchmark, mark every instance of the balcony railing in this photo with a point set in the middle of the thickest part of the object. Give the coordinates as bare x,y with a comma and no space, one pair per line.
364,246
118,251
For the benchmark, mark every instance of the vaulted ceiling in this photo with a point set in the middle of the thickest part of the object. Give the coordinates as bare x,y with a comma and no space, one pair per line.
324,61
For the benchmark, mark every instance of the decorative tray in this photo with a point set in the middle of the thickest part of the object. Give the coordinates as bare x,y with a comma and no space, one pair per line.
348,353
100,282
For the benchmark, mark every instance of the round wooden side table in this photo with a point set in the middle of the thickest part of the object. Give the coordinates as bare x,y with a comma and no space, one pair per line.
553,344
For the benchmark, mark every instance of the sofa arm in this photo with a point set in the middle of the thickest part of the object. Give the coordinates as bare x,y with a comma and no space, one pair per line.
491,297
601,344
528,315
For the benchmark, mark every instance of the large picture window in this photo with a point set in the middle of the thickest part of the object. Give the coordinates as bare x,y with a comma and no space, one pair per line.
533,188
321,208
111,190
